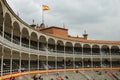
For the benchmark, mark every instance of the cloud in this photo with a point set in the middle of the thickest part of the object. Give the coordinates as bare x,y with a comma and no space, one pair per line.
99,17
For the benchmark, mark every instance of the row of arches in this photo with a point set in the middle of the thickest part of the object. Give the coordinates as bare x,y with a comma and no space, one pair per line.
13,60
20,35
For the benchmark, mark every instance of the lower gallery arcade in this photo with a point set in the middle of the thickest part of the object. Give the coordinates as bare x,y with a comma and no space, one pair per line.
16,61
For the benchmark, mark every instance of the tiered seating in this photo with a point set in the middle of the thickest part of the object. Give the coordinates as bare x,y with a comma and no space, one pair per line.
99,75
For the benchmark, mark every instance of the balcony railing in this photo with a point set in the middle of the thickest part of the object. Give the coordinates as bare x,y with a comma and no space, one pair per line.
42,51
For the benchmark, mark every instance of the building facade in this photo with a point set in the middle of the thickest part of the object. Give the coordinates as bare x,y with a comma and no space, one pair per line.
22,47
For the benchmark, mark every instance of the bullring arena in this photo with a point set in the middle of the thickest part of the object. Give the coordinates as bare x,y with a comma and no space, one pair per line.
32,52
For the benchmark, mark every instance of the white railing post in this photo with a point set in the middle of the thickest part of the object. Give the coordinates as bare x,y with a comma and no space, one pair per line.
29,53
11,62
91,58
110,58
82,58
73,58
2,58
38,63
64,59
101,56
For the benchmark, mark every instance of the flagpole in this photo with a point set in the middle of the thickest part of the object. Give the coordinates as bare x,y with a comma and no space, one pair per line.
42,15
44,8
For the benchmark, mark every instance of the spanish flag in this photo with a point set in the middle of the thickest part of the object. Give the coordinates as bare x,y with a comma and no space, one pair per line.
45,7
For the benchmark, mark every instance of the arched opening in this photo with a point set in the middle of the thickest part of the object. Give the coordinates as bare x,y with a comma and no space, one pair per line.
33,62
6,61
116,62
42,43
78,62
86,49
0,55
95,50
34,41
42,63
7,27
96,62
60,46
51,62
69,48
15,61
115,50
87,62
24,61
60,62
1,19
77,48
69,63
105,50
51,45
25,37
106,62
16,33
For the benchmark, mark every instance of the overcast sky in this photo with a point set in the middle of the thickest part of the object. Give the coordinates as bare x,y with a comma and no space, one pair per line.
100,18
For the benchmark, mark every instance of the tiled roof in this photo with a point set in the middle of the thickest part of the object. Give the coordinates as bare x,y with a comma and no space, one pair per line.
80,39
63,35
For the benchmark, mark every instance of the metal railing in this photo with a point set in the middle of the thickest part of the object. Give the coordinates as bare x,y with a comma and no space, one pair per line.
42,51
